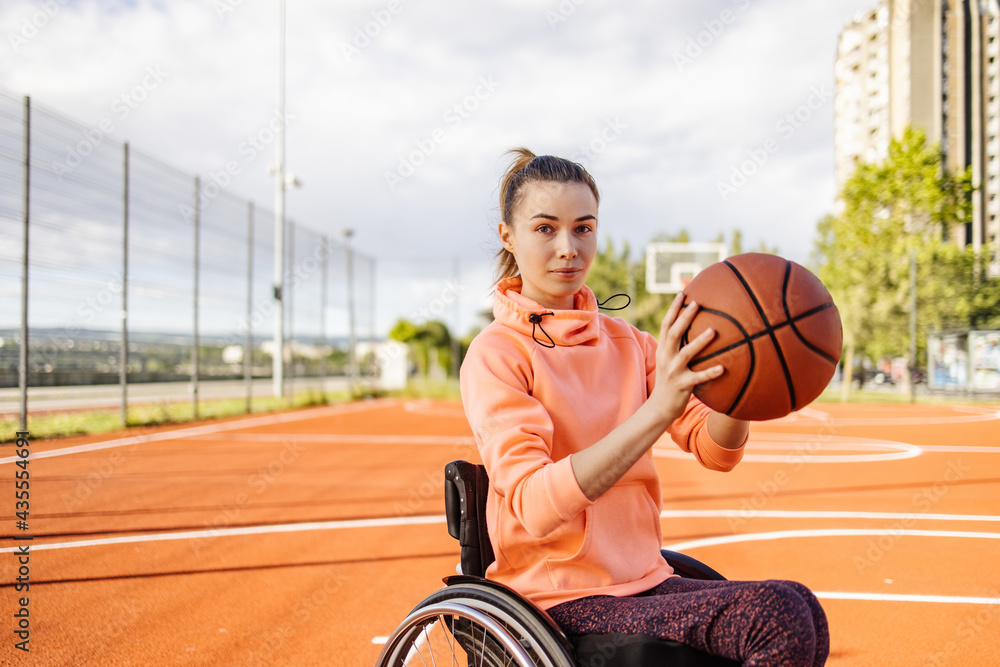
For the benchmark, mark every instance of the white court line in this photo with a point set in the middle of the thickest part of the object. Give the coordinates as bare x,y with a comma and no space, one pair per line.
342,438
821,514
812,448
824,532
959,448
243,530
210,533
892,597
973,414
249,422
428,407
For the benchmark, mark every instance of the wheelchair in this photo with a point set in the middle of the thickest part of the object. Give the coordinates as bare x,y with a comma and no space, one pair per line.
477,622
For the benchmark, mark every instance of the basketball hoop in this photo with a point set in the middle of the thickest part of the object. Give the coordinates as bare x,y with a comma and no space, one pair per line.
670,267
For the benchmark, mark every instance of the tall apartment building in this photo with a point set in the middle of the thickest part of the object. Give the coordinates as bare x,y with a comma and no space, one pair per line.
929,63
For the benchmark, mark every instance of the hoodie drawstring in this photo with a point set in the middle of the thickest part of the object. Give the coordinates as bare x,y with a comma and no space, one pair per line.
615,296
536,319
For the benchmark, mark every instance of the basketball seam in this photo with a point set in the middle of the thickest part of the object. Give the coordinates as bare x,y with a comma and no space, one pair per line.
762,333
767,325
747,340
791,321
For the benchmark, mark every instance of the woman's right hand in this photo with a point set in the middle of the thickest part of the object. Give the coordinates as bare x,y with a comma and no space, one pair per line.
599,467
674,380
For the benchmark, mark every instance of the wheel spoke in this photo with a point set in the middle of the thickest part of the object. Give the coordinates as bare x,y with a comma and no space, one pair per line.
417,648
482,652
453,641
433,661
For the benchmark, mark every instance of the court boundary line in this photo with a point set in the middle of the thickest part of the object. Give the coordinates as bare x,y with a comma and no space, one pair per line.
973,414
821,514
211,533
194,431
899,597
824,532
383,522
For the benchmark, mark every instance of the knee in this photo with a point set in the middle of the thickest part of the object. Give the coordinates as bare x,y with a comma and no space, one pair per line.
818,618
789,610
815,608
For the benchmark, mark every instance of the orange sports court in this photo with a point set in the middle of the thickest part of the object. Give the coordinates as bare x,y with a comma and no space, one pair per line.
304,538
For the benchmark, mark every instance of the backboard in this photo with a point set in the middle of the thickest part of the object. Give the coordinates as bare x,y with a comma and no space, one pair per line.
671,266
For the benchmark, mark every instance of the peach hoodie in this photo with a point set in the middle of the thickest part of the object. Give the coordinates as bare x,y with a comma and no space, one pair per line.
530,408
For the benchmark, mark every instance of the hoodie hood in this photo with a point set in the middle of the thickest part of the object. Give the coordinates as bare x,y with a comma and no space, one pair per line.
562,327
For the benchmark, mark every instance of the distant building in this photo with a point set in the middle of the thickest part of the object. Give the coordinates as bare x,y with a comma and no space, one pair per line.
933,64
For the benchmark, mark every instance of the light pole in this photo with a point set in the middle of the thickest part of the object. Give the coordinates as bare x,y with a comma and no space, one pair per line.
278,361
282,182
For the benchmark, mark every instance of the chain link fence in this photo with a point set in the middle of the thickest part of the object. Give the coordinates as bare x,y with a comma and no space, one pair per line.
136,272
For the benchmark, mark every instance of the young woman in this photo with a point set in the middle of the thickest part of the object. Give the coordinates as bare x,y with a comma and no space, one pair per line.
565,404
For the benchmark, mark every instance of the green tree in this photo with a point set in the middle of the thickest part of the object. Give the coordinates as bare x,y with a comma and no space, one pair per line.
611,274
429,343
404,331
905,205
736,244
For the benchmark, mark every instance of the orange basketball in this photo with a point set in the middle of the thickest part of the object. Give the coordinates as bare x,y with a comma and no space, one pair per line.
778,335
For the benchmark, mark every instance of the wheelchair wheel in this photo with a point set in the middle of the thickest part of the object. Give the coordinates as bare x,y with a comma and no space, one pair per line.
472,625
452,634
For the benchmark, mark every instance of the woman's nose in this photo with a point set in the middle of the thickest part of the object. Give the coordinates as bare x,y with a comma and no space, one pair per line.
567,249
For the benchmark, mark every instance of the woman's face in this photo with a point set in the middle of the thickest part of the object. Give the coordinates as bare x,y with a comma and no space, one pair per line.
553,237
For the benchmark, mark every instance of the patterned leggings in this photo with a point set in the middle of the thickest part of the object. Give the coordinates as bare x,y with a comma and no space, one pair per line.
768,623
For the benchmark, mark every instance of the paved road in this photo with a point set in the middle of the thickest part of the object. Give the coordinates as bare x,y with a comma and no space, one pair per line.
46,399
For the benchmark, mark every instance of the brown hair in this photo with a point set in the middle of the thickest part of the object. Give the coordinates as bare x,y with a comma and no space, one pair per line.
526,167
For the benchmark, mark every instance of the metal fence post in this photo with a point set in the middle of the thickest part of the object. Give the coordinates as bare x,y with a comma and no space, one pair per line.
124,350
291,313
322,315
371,296
194,354
456,352
23,351
248,348
352,361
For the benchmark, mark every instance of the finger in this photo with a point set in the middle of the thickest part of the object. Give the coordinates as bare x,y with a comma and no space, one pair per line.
671,315
708,374
696,345
688,312
683,322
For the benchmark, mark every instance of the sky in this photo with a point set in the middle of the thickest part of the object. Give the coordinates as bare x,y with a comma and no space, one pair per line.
709,116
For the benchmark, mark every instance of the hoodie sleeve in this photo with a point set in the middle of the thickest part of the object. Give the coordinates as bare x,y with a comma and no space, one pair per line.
690,430
514,434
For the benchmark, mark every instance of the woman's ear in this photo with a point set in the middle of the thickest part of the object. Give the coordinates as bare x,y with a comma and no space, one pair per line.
503,229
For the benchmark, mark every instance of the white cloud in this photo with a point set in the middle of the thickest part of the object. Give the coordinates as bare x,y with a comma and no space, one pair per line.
559,85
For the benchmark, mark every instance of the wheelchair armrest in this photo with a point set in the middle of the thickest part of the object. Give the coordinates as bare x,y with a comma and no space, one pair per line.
453,501
465,491
690,568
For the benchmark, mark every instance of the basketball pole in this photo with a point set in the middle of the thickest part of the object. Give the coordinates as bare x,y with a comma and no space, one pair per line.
913,325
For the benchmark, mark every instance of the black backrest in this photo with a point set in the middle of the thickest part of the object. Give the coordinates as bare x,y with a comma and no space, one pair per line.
465,487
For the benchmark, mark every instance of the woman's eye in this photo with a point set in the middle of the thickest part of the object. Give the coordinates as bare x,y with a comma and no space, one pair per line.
583,229
544,229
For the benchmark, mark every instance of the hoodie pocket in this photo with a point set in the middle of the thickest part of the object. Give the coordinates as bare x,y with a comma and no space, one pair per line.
622,541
